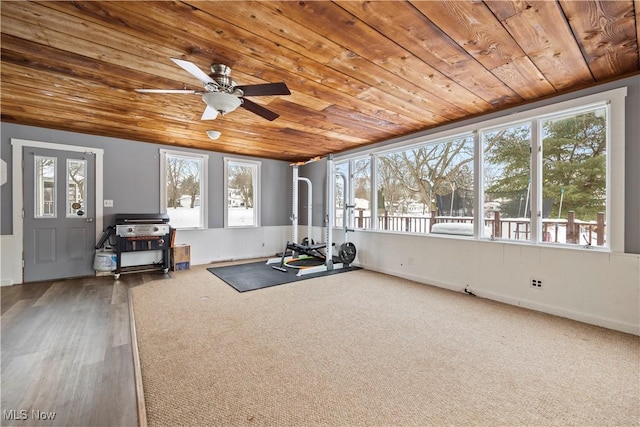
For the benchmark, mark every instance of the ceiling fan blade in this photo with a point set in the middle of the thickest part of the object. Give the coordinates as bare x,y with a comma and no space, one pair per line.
193,69
258,109
209,114
167,91
265,89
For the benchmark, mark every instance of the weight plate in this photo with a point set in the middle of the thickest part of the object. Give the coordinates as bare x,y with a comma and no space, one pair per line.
347,252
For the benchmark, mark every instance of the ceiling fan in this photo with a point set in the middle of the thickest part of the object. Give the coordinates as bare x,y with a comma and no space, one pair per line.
222,95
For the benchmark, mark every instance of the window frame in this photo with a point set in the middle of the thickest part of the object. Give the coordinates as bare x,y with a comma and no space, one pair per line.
204,159
613,99
257,178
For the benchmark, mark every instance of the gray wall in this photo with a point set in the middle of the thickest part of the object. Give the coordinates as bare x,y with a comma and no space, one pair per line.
316,172
132,176
632,168
632,152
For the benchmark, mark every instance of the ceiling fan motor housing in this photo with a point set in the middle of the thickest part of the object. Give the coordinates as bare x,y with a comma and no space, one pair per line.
221,74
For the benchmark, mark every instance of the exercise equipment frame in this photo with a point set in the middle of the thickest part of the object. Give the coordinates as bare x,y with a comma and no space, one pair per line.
314,249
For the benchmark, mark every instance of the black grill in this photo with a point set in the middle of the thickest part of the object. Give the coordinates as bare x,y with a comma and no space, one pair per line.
142,232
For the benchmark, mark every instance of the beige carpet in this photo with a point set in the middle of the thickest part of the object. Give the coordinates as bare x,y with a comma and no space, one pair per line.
362,348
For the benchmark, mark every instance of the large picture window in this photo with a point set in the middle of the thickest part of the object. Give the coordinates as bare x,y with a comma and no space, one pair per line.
183,188
242,188
429,183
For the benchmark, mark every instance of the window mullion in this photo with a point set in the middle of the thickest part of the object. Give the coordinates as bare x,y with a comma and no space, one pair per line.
373,206
536,181
478,187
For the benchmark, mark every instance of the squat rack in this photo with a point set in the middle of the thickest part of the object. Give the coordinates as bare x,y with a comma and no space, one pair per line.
347,250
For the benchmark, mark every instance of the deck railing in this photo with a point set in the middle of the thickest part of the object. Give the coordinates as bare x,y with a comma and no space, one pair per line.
564,230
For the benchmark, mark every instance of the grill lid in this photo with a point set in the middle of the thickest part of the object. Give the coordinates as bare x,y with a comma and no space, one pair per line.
142,218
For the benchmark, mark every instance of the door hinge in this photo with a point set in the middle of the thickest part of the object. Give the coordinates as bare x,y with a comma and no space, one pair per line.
22,213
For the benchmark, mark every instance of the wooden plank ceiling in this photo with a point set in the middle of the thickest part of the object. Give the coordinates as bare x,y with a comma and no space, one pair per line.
360,72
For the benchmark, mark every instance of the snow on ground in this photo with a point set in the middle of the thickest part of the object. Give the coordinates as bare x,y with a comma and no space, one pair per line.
184,217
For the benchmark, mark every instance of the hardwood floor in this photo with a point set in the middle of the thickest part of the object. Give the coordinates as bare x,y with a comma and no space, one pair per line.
66,352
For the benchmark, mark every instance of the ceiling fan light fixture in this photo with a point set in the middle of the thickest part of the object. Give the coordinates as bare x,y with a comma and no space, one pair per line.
221,102
213,134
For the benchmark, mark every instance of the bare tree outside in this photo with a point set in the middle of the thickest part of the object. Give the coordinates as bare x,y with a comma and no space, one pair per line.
184,192
183,179
423,173
241,180
76,171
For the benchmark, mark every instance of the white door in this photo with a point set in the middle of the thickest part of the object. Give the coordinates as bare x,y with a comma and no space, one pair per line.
59,214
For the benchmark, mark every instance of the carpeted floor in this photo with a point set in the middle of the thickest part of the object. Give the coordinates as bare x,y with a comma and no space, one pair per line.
363,348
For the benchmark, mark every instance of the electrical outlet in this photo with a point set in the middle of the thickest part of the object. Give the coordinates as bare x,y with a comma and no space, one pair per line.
536,283
108,203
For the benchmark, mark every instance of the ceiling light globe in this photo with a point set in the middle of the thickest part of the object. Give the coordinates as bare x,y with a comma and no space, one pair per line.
221,102
213,134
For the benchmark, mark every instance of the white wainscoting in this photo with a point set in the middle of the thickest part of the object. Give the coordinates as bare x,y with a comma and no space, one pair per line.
223,244
10,261
595,287
210,245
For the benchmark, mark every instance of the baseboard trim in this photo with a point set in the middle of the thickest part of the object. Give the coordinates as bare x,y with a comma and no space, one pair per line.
625,327
137,372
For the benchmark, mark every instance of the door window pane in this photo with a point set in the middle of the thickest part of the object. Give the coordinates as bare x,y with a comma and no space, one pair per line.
507,182
76,171
45,187
574,178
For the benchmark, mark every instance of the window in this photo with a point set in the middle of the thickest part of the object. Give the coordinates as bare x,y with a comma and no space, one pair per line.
342,170
426,184
571,196
361,180
552,176
574,178
242,187
76,171
183,179
45,187
507,182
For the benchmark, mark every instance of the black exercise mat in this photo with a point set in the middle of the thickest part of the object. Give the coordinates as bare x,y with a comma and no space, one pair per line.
258,275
